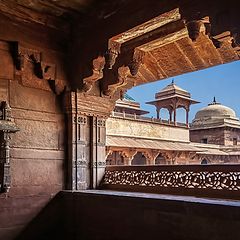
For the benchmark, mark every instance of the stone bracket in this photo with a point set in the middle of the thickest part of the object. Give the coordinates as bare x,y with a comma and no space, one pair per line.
98,65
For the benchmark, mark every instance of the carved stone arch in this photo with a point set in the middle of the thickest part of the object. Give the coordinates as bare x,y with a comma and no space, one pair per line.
128,155
139,158
151,156
109,152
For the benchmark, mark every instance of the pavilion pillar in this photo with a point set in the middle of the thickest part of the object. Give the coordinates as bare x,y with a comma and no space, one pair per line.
170,114
158,112
175,116
187,116
86,139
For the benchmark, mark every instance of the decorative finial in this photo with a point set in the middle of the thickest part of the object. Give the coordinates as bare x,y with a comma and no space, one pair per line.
173,81
214,102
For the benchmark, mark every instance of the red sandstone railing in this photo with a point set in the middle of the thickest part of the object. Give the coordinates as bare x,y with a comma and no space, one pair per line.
214,181
147,119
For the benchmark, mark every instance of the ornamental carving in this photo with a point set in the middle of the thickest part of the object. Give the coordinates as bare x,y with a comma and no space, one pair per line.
128,153
137,61
7,126
31,68
98,65
216,180
113,52
123,75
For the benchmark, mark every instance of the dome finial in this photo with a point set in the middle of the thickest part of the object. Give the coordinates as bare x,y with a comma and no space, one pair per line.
214,100
173,81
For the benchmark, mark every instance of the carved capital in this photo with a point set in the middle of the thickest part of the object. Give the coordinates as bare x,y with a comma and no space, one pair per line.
128,153
150,155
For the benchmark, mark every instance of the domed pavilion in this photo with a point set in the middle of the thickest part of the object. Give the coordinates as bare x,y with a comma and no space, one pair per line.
215,124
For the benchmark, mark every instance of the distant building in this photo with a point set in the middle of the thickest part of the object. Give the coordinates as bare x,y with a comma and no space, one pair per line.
171,98
129,106
133,139
215,124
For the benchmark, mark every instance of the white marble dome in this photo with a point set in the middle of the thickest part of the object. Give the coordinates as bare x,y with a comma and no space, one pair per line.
215,115
215,110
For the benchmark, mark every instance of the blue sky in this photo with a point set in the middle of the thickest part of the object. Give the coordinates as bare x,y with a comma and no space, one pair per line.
222,81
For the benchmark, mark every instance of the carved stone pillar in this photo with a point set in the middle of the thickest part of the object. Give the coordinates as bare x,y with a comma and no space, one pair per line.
97,149
128,155
7,126
175,116
127,161
158,112
170,114
187,115
4,161
150,156
86,139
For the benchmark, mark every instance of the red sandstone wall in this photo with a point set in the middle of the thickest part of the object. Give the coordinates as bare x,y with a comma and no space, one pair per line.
230,134
37,150
219,136
214,136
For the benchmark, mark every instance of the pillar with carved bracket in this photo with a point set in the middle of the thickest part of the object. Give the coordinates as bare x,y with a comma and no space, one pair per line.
86,139
151,156
97,149
128,155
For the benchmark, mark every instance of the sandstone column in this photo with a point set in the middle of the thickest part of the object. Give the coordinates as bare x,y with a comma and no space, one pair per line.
86,139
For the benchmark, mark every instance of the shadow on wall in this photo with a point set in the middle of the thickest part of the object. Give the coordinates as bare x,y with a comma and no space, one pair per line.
122,216
48,224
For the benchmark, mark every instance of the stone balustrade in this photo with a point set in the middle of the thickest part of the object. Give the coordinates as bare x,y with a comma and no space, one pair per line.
214,181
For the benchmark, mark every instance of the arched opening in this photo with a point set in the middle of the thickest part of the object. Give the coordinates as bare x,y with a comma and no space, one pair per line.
204,161
164,114
160,160
139,159
114,159
181,115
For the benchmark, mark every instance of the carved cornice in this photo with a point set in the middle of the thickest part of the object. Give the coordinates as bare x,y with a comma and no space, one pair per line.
88,105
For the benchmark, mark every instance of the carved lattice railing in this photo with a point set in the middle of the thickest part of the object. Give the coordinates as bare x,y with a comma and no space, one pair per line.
222,181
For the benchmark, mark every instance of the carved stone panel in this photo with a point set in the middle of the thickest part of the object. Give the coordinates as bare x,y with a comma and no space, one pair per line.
86,140
7,126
